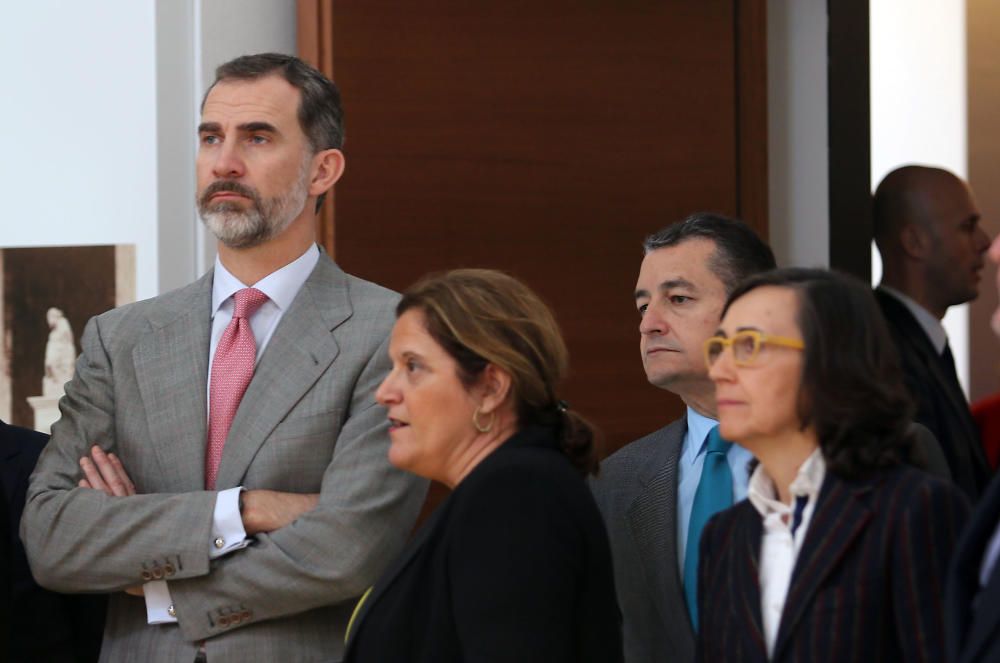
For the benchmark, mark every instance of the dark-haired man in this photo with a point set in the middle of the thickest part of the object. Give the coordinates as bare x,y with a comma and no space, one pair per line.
927,230
259,376
657,492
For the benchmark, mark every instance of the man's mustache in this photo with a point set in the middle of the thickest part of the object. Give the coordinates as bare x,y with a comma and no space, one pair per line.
229,186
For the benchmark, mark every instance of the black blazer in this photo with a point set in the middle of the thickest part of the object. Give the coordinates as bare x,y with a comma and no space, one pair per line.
867,585
974,632
43,625
941,405
513,566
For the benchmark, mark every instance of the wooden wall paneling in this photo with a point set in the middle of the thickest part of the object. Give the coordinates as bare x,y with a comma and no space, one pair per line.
547,139
751,112
315,46
983,90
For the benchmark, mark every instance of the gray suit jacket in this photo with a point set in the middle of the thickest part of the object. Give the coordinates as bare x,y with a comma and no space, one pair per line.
307,423
636,492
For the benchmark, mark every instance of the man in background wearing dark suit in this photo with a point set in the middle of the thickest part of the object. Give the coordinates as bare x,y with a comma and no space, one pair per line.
36,624
972,605
656,493
927,230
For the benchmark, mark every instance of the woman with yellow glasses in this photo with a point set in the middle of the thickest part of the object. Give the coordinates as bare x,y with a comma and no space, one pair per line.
840,550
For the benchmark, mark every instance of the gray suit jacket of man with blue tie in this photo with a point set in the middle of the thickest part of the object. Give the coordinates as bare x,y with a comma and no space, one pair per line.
636,492
307,423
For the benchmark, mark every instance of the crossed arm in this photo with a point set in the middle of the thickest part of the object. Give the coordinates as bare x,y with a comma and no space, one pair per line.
82,539
261,510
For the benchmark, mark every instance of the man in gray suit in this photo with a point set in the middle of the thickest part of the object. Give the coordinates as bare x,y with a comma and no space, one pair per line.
241,498
648,490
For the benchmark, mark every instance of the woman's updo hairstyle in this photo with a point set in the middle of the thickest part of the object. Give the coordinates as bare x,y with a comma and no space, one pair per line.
482,317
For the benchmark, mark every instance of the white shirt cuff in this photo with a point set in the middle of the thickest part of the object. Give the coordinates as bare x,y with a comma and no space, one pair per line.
227,524
159,606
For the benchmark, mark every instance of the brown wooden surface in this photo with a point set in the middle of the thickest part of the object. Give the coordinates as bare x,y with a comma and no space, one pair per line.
983,22
545,139
849,112
315,42
751,113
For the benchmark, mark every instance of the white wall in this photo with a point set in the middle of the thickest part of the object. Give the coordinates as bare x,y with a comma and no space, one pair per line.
79,118
918,107
100,114
798,159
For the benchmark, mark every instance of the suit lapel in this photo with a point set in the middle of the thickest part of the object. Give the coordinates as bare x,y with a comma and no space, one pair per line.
300,351
956,398
745,558
171,370
915,337
839,517
652,520
393,572
985,617
986,620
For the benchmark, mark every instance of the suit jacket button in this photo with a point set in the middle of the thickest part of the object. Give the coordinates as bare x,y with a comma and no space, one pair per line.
168,570
147,576
157,573
171,611
219,542
224,621
246,615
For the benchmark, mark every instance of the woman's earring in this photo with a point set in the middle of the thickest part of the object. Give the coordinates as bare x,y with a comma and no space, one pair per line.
479,427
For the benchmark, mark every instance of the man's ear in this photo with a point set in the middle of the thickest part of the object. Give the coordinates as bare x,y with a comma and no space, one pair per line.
327,167
915,241
493,388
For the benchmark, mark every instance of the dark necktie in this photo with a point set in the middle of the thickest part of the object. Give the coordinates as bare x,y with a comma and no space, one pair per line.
715,493
948,363
800,507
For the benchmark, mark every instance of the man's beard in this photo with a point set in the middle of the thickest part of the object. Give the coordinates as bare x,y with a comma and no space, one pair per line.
265,218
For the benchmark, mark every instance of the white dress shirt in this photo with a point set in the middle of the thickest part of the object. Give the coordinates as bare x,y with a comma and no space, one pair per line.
932,326
779,546
281,288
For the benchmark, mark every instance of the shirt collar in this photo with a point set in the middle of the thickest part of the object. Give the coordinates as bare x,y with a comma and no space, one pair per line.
930,324
807,483
698,428
280,286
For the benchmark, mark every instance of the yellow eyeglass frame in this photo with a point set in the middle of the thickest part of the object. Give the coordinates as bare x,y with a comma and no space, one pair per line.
760,339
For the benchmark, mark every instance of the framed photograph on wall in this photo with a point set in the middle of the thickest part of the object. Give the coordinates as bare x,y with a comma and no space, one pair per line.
47,295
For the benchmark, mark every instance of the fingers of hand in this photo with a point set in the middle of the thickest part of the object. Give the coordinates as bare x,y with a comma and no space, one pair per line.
120,469
106,473
93,476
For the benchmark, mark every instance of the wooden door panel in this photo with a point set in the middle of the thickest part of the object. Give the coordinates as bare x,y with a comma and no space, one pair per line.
545,139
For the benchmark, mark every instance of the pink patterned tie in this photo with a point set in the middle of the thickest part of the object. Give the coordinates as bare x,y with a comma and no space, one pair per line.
232,369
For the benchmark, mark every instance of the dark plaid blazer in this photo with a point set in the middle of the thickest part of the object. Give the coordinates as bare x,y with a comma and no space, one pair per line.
868,583
973,615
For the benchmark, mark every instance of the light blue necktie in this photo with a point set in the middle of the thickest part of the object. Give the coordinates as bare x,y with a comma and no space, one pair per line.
715,493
